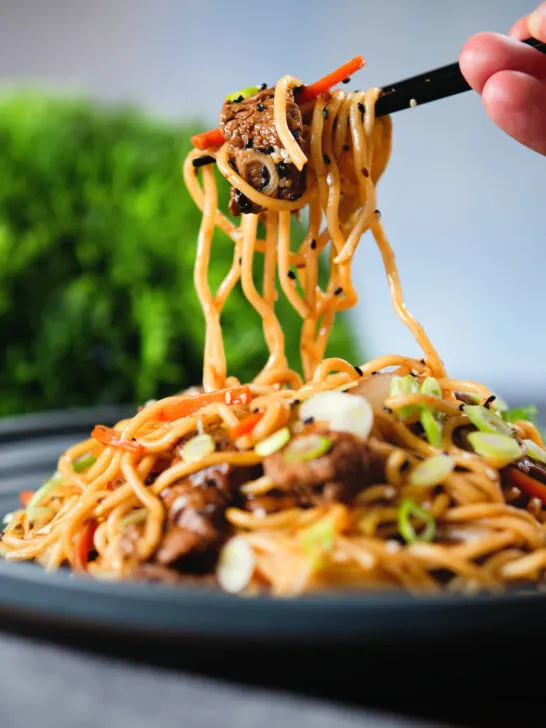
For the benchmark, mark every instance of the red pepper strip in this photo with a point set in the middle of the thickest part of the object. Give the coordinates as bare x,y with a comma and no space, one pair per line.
84,545
245,426
109,437
529,485
25,496
324,84
208,139
190,405
215,138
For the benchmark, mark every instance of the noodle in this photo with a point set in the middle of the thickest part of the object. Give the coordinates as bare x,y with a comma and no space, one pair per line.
429,513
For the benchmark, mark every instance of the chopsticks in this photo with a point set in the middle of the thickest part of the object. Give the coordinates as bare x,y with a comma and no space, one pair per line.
432,86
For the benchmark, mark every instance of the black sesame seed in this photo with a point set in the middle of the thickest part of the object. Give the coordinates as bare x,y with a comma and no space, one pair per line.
378,214
244,203
489,401
347,80
338,291
232,164
445,452
346,147
240,261
423,362
387,410
461,407
375,373
309,421
365,172
325,113
313,244
238,100
291,275
263,86
260,107
361,107
202,161
295,402
405,466
283,169
326,159
269,149
249,143
359,371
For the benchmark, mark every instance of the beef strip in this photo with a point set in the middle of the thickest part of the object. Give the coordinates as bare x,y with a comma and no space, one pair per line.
248,126
533,468
195,525
338,475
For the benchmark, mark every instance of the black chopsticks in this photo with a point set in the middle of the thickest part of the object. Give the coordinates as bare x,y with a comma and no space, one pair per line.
431,86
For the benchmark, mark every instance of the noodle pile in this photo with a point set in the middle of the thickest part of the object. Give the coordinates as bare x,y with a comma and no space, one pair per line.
438,516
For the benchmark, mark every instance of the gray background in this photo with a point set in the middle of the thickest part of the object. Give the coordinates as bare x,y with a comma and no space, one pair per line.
462,203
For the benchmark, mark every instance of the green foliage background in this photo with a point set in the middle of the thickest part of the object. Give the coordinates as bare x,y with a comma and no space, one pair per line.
97,240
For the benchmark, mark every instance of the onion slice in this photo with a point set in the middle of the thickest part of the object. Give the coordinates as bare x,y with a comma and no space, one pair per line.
341,411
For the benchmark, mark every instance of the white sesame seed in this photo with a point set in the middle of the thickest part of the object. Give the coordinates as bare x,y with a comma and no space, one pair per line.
413,103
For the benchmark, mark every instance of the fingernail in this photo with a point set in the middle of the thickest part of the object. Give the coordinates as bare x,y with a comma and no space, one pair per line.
536,22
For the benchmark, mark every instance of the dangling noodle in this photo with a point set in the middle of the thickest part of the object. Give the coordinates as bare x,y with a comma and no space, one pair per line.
119,497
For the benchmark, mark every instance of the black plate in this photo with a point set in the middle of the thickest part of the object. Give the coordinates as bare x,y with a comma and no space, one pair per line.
29,448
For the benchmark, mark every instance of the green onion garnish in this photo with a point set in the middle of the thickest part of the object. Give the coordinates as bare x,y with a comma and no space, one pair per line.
307,447
498,405
431,471
135,517
197,448
431,419
499,450
273,443
244,93
485,420
404,385
534,451
409,510
48,487
83,463
528,413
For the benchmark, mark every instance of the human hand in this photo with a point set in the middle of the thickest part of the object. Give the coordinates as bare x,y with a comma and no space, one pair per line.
511,78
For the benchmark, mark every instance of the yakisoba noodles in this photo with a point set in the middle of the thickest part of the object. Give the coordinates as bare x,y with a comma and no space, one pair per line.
379,476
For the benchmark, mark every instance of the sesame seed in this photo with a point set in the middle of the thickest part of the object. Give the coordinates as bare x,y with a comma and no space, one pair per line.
291,275
325,113
359,371
263,86
347,80
260,107
295,402
238,100
365,172
387,410
405,466
361,107
269,150
346,147
283,169
461,407
378,214
338,291
488,402
309,421
413,103
202,161
375,373
313,244
326,159
249,143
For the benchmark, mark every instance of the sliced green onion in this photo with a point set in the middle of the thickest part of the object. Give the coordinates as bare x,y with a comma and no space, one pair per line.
430,419
47,488
498,405
408,510
404,385
485,420
534,451
498,450
528,414
432,426
319,536
273,443
83,463
431,471
342,411
7,518
307,447
34,514
245,93
468,397
236,565
134,518
197,448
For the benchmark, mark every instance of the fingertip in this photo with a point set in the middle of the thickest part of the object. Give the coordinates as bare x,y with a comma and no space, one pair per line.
519,30
471,59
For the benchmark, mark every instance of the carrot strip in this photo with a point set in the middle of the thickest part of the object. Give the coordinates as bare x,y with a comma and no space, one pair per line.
528,484
190,405
84,546
245,426
323,85
25,496
111,438
208,139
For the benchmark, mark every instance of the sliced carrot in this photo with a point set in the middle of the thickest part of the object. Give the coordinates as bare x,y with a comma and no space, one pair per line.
109,437
529,485
323,85
25,496
187,406
245,426
208,139
84,545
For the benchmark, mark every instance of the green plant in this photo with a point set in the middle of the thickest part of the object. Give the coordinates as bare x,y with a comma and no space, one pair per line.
97,240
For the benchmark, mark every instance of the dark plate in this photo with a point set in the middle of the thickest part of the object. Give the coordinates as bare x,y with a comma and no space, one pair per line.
29,448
